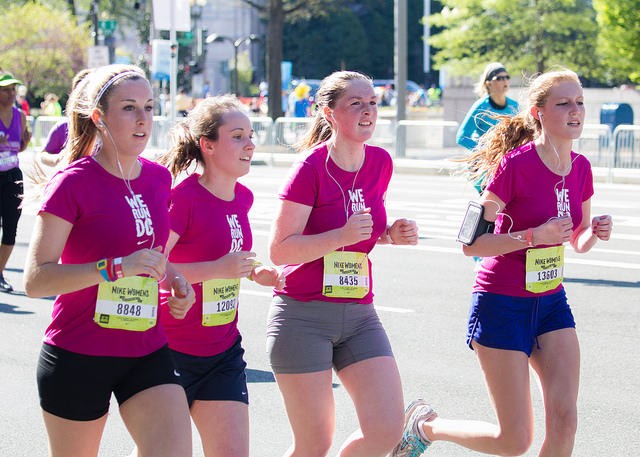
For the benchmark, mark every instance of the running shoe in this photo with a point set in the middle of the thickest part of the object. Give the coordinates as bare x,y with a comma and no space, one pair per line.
4,285
412,444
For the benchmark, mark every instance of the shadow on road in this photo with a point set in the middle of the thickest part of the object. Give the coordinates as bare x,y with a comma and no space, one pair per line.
603,282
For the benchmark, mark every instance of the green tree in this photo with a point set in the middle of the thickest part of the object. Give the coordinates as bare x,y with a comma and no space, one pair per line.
42,46
321,45
527,35
619,41
356,34
275,12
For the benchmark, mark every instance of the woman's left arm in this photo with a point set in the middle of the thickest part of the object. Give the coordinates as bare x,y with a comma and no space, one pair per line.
402,231
26,134
590,230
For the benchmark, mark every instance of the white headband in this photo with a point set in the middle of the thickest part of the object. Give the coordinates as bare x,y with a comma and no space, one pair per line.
110,82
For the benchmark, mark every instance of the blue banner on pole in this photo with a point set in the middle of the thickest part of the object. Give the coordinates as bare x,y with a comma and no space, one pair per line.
285,70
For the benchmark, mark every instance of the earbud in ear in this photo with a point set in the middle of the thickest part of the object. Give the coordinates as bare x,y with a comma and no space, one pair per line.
334,118
100,123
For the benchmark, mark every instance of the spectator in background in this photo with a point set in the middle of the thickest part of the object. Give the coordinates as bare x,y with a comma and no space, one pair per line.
493,102
302,105
21,100
486,111
433,94
14,138
183,102
50,105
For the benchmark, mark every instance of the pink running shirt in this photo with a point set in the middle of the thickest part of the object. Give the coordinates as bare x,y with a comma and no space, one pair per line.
209,229
319,183
533,194
107,222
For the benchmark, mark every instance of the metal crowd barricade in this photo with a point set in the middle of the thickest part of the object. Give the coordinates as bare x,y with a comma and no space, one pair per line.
423,139
626,140
384,135
262,133
426,139
595,144
287,131
42,127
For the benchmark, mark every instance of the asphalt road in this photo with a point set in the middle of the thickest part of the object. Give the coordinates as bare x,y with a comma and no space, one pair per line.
422,296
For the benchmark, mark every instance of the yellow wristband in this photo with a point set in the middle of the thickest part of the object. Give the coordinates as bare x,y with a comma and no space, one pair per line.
255,264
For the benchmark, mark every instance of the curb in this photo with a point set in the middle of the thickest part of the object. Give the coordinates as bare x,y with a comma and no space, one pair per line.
445,167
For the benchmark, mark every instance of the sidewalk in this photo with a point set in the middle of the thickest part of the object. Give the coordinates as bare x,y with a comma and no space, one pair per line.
445,167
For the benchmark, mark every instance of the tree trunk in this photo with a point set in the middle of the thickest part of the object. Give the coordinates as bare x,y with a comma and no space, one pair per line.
274,58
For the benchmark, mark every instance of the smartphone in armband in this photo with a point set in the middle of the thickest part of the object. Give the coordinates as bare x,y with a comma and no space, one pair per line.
474,224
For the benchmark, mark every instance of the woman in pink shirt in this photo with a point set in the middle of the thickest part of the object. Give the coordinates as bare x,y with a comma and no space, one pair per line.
539,196
331,216
210,244
98,245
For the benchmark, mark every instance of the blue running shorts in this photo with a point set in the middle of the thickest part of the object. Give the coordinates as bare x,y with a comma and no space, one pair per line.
514,323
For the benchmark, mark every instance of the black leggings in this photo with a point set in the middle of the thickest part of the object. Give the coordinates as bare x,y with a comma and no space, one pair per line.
11,191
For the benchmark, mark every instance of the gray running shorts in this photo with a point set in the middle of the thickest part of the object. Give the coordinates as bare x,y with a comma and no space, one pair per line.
305,337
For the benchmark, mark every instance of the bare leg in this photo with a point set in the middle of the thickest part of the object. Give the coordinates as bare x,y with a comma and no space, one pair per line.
557,365
506,374
375,388
223,427
68,437
308,400
158,420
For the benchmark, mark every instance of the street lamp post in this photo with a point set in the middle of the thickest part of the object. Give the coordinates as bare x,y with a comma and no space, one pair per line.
236,44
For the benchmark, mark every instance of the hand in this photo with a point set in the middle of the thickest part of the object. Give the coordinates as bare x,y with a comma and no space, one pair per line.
182,297
358,228
148,262
237,264
269,276
404,231
601,226
556,231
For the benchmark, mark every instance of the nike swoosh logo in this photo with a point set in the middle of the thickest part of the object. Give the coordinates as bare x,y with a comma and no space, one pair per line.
244,393
175,372
142,242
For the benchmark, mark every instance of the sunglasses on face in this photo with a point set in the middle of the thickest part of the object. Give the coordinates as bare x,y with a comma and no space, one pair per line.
501,78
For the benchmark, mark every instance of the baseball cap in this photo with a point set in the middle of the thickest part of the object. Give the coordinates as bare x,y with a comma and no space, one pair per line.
7,80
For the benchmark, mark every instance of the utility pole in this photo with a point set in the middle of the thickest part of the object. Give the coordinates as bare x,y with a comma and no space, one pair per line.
400,70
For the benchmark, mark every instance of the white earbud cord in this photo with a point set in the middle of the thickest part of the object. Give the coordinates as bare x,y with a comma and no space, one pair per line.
127,183
564,172
562,181
353,186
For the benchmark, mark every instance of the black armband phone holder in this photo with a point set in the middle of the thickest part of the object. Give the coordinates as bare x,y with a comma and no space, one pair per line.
474,224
